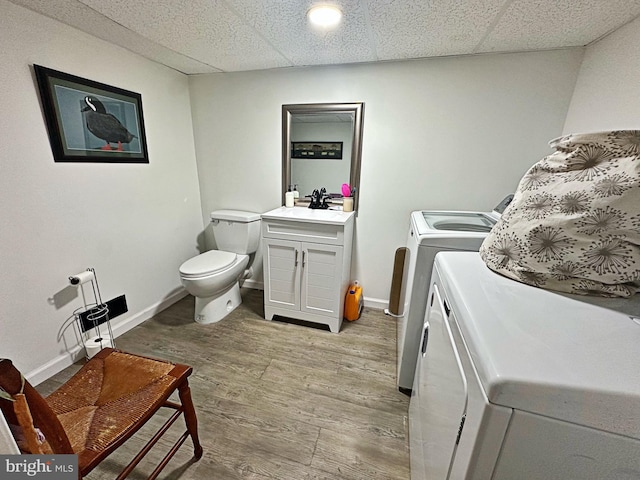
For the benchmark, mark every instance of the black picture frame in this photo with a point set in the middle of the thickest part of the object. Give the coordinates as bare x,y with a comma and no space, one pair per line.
323,150
89,121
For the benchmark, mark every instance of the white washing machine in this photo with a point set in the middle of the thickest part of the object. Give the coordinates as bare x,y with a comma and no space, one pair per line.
514,381
431,232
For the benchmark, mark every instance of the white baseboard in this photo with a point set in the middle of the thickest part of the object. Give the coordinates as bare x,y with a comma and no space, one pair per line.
127,324
375,303
54,366
68,358
251,283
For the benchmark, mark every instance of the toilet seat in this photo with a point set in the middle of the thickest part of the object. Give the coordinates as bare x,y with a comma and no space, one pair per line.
207,263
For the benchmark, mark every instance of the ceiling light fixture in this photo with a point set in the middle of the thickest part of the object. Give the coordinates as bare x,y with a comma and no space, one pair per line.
324,15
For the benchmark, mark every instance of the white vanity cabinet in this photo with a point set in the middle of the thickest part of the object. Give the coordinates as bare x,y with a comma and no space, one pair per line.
307,264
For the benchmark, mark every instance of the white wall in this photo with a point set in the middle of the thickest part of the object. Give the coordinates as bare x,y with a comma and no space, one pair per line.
449,133
607,96
134,223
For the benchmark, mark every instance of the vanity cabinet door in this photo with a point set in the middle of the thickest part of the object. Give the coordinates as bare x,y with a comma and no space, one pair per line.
282,273
321,279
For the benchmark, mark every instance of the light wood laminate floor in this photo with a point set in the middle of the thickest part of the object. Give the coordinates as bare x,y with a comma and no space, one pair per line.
275,400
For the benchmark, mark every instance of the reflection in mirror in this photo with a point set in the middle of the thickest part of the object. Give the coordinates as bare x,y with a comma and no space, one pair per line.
327,169
321,128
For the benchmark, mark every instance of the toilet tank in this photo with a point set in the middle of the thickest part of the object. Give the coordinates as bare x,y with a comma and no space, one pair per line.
236,231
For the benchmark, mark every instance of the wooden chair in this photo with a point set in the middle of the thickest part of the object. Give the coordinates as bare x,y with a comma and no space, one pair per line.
100,407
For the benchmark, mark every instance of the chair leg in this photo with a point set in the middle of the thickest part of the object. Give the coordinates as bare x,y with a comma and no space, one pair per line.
190,417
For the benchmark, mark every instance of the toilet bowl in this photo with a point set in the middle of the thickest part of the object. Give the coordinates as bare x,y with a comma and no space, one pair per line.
213,277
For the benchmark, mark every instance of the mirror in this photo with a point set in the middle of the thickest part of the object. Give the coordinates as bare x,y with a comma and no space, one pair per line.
328,141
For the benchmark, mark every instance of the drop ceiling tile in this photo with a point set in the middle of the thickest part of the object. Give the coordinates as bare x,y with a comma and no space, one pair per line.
417,28
283,23
82,17
203,29
544,24
204,36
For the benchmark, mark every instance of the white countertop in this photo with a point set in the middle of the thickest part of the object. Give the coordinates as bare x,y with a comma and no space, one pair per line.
303,214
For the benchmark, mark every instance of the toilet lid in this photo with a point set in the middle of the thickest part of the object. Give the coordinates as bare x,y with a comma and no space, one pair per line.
207,263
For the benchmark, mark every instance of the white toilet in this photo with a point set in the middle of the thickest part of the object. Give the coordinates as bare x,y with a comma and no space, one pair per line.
212,277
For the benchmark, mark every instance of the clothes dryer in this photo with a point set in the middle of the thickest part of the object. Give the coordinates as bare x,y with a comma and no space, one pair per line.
514,381
431,232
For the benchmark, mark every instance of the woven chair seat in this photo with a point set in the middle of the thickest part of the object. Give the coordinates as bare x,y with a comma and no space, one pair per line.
105,403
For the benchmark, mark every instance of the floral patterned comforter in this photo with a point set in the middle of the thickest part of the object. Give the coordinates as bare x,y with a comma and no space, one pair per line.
574,222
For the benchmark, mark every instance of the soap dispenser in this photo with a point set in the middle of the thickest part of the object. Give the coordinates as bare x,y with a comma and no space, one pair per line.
288,198
296,194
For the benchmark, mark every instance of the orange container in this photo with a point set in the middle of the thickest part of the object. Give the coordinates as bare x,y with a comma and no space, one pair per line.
353,302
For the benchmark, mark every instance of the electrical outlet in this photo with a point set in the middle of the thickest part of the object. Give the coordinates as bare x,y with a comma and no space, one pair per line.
93,317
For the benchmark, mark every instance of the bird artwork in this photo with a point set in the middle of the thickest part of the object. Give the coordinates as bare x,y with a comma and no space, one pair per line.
105,125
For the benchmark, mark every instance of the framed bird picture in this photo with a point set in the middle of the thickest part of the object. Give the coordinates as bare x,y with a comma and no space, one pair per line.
89,121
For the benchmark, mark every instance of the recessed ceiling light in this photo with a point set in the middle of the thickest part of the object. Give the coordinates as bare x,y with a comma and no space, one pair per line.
324,15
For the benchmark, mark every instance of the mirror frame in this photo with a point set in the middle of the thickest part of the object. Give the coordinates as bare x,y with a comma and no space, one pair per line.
288,111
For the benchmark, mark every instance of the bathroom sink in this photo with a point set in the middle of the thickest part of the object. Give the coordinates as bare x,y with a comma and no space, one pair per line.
302,214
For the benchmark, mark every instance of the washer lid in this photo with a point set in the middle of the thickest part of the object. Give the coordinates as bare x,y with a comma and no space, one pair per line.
459,221
449,231
207,263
